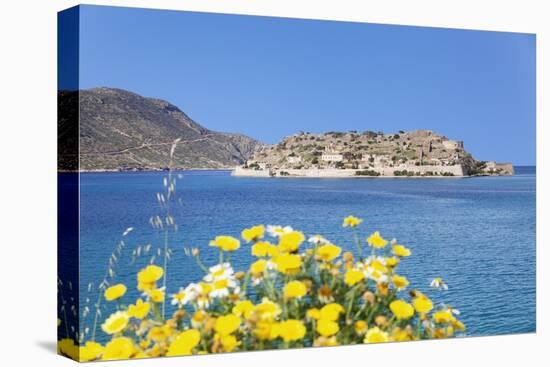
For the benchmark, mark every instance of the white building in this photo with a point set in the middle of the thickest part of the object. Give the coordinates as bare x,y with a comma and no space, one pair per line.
294,159
332,157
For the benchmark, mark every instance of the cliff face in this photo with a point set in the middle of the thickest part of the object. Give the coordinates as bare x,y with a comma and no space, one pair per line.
121,130
420,152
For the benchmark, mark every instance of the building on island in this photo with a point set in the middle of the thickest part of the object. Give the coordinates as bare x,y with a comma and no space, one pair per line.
332,157
453,144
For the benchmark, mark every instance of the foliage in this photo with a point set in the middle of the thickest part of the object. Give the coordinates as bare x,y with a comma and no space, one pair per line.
298,293
367,173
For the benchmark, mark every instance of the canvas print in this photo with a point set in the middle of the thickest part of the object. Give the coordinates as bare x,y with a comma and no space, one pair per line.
232,183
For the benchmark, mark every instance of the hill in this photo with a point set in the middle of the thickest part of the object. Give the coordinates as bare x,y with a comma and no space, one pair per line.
121,130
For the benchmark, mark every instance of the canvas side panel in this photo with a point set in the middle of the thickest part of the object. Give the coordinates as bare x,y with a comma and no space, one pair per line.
68,182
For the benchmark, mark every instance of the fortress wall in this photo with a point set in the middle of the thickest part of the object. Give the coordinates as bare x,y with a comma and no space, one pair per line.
457,170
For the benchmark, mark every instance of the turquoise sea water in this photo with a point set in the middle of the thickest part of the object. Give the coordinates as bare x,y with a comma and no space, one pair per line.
476,233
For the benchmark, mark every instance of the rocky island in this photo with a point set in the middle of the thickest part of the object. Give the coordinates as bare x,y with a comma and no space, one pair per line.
420,153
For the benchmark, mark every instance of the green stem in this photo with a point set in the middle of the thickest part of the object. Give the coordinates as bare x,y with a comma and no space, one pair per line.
358,244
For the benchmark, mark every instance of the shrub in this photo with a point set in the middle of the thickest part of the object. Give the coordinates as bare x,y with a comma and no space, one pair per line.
367,173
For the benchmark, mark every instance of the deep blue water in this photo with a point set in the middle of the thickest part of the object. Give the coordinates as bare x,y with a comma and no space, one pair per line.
476,233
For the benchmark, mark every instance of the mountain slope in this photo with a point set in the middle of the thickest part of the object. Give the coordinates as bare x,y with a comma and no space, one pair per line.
121,130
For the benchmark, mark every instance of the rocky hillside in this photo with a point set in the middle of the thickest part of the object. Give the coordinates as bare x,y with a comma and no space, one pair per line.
401,151
121,130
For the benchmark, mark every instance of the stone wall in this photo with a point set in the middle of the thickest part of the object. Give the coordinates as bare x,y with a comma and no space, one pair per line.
456,170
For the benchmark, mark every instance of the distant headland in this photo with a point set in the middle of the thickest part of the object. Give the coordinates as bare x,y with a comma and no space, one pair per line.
420,153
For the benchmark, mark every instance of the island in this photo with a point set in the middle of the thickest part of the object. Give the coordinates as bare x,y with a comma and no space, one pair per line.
420,153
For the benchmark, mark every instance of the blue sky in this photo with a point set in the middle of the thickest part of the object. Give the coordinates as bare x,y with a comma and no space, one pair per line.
271,77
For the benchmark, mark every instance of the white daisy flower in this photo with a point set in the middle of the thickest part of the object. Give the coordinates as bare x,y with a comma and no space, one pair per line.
375,275
203,302
454,311
369,260
318,239
178,298
438,283
220,287
219,271
277,231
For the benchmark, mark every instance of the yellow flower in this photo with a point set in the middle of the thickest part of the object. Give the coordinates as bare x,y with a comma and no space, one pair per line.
313,314
243,308
401,251
291,330
375,240
353,277
156,295
294,289
399,282
328,252
262,249
331,311
257,268
158,333
377,265
226,325
229,343
351,221
392,261
360,327
327,327
226,243
443,316
401,309
148,276
184,343
459,325
422,304
289,242
115,323
375,335
90,351
288,263
198,318
115,292
323,341
67,347
266,330
253,234
401,335
119,348
267,310
139,310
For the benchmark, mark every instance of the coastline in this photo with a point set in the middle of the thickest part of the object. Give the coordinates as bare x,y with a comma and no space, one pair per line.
263,175
456,171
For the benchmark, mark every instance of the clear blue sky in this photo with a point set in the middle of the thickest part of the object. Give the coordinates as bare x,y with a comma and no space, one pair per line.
271,77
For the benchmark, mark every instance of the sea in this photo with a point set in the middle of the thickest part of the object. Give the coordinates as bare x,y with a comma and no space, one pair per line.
478,233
